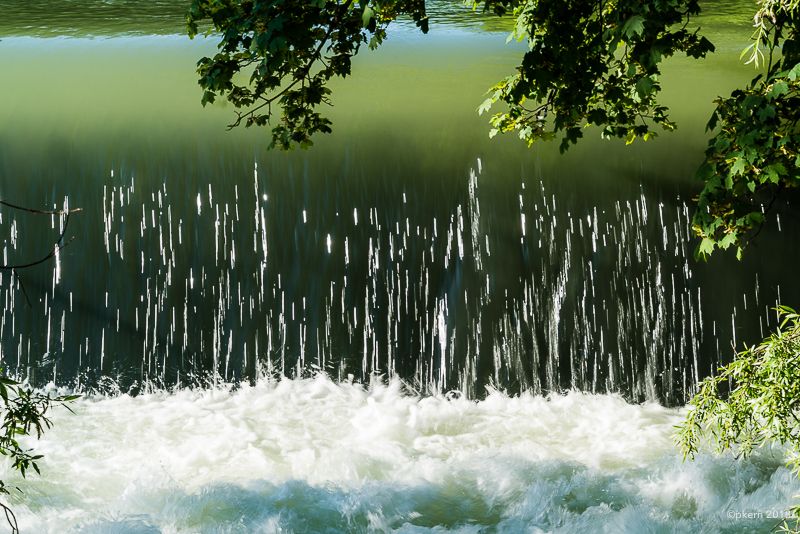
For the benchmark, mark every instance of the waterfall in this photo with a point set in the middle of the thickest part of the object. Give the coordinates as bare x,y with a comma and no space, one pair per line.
542,295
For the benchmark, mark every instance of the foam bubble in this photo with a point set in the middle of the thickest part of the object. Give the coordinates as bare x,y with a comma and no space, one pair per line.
311,455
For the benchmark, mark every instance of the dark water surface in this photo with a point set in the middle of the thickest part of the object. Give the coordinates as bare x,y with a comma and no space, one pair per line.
406,244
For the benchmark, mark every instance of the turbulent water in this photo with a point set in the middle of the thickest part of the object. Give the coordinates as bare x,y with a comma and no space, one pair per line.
311,455
223,302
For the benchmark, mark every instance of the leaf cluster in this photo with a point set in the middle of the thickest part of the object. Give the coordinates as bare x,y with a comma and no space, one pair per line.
753,401
24,414
593,63
755,153
765,21
284,53
588,62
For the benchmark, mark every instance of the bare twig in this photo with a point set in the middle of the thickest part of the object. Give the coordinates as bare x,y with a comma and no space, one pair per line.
59,244
39,212
299,77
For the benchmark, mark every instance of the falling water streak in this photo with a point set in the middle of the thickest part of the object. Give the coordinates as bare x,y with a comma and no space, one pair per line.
606,302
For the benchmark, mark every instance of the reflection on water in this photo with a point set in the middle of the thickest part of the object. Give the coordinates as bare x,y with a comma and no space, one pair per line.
92,18
82,18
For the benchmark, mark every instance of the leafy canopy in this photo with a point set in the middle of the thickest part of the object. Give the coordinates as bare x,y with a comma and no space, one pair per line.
593,63
755,153
588,62
282,53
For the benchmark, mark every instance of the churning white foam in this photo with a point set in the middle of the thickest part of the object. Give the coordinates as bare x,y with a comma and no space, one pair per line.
311,455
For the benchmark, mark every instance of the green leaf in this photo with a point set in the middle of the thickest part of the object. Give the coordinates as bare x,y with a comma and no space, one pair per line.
778,88
794,73
738,167
755,218
728,182
644,86
706,172
367,15
748,49
765,113
633,26
597,116
706,247
712,122
728,240
485,105
774,172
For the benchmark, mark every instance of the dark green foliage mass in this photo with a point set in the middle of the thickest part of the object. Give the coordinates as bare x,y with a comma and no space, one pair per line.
755,153
593,63
283,53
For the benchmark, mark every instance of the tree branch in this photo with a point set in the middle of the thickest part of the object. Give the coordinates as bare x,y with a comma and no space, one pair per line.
59,244
300,76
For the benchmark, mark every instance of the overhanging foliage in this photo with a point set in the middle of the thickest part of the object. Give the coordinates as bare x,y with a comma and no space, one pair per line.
588,62
753,401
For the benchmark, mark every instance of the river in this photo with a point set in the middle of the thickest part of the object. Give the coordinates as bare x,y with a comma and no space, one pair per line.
362,336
